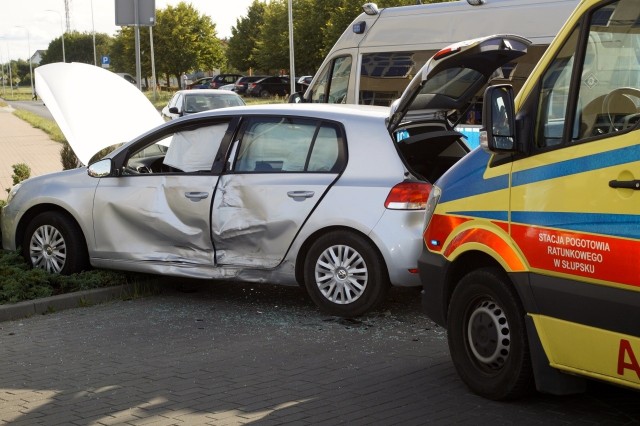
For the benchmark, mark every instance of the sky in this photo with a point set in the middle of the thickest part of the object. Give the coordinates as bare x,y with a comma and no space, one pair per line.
28,25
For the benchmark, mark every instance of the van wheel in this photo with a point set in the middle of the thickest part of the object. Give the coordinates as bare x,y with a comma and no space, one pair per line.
55,243
344,275
487,336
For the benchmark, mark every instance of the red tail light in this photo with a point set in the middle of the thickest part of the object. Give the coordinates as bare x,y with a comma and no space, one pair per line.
408,196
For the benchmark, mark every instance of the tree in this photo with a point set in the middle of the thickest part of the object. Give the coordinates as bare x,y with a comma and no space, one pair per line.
271,51
78,48
184,40
244,37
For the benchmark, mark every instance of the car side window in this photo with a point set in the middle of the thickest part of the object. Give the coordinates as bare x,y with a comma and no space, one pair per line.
277,145
608,96
191,150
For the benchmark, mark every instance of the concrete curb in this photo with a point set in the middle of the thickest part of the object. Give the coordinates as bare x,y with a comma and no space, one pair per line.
65,301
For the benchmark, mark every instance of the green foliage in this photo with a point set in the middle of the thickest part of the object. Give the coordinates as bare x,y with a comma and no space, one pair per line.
183,41
67,157
244,37
78,48
20,282
20,172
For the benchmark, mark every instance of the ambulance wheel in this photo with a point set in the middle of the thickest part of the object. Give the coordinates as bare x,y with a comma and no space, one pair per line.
487,336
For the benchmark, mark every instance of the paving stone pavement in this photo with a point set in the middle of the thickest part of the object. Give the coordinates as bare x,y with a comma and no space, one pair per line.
231,354
22,143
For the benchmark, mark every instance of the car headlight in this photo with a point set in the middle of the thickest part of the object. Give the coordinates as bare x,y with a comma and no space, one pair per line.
13,191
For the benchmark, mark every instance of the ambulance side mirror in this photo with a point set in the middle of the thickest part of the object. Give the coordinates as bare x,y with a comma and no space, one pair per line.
498,119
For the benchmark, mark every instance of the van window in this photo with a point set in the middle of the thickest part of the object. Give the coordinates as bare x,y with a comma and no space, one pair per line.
385,75
333,83
608,98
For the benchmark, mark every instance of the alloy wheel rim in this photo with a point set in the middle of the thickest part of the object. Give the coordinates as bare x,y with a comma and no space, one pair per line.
341,274
47,249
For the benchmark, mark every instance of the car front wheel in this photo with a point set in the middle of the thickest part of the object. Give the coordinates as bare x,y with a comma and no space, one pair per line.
344,275
54,242
487,336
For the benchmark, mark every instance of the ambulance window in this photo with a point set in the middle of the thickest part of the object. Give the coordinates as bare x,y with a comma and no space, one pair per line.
333,83
609,96
385,75
554,96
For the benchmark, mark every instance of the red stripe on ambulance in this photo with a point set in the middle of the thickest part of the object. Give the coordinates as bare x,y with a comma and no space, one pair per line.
593,256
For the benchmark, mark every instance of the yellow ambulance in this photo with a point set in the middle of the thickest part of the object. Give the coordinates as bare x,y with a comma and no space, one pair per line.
531,254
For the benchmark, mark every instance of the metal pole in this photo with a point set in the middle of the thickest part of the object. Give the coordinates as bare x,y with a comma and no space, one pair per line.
10,78
292,72
136,18
64,58
30,65
3,89
153,66
93,30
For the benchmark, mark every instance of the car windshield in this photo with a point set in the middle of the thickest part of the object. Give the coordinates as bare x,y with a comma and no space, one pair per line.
204,102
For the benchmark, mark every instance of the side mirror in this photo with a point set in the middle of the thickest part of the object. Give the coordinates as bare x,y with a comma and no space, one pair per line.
296,98
498,120
100,168
174,110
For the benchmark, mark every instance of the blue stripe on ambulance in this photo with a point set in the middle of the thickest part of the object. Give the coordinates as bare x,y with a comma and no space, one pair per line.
578,165
467,179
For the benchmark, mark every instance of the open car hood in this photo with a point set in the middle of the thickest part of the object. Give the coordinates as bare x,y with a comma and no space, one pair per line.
93,107
453,76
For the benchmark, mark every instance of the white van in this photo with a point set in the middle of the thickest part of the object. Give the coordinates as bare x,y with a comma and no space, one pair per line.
380,52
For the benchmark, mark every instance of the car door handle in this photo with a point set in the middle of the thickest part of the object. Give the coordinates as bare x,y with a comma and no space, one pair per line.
630,184
300,195
196,196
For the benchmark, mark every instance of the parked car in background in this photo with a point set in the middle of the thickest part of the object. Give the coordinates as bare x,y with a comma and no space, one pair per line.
223,79
331,197
240,86
228,87
131,79
190,101
303,82
201,83
269,86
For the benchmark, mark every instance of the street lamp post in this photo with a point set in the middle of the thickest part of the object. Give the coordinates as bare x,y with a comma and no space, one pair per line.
30,65
64,58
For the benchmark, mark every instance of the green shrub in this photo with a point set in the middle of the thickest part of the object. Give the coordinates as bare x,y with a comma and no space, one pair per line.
67,157
20,172
18,281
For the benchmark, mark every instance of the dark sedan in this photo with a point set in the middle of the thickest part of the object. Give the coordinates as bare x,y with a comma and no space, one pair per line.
269,86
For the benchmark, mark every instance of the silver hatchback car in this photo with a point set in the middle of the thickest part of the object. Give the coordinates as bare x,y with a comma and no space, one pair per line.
330,197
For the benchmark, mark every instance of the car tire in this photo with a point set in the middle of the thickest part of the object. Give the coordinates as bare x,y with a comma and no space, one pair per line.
487,336
344,274
55,243
264,94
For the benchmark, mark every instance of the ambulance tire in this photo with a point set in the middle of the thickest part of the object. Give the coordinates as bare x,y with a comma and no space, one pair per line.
487,336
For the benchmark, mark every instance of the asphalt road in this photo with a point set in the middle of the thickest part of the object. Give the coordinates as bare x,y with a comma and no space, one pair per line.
36,107
227,354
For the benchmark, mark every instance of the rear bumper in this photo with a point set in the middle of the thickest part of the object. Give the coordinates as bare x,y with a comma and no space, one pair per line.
433,269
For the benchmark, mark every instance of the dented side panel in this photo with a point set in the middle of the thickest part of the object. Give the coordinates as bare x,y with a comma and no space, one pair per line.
155,218
257,216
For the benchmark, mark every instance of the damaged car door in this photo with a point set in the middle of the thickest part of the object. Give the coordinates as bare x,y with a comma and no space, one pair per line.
157,212
278,170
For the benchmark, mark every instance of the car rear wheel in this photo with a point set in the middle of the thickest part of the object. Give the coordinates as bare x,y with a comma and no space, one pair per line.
487,336
54,242
344,275
264,94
